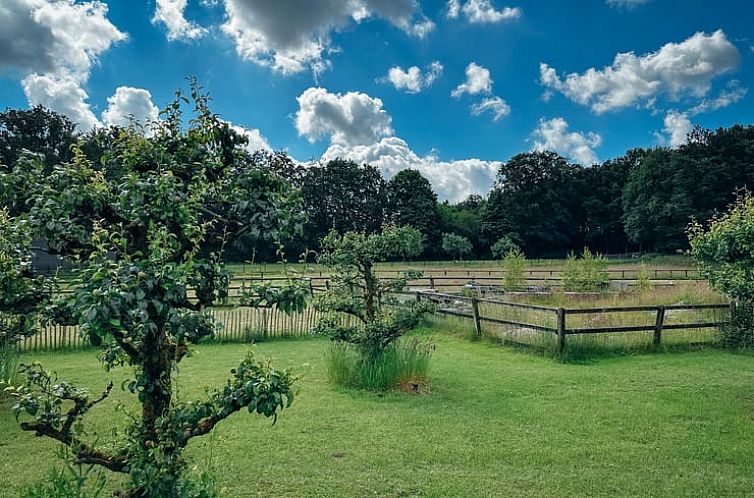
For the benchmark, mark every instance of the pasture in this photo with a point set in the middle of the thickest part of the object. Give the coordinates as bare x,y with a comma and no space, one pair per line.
498,422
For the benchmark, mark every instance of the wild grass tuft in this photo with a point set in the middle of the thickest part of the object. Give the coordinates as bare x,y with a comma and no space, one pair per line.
404,363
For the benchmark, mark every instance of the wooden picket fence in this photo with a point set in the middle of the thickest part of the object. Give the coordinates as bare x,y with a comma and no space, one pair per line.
235,324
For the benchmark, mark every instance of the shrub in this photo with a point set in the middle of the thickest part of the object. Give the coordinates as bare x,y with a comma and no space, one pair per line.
514,265
503,246
585,274
643,282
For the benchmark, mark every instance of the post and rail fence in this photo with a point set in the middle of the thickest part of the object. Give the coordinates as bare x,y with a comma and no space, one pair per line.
555,319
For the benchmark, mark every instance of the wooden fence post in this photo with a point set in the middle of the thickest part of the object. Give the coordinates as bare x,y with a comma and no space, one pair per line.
477,321
658,325
561,330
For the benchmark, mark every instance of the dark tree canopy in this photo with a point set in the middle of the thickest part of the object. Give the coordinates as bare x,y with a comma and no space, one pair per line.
344,196
412,202
37,130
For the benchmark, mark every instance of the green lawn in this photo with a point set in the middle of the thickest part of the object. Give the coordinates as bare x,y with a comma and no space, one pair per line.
498,422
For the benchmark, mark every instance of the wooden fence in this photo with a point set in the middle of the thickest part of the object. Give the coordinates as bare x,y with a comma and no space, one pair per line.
555,320
235,324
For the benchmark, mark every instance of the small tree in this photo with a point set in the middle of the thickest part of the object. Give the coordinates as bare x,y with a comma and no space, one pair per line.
503,246
585,274
134,238
456,246
359,292
724,254
514,264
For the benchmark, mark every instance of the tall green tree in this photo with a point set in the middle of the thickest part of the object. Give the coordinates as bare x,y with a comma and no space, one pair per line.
37,130
412,202
134,240
456,246
344,196
536,199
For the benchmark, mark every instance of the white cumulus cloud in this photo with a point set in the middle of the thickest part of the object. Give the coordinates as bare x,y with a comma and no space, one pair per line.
552,134
452,180
53,44
63,95
171,14
359,129
675,70
352,118
254,136
481,11
477,81
130,104
677,126
413,80
292,35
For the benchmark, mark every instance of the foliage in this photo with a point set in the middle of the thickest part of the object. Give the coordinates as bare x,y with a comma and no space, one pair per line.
643,279
359,292
456,246
23,293
134,234
514,264
503,246
585,274
412,202
344,196
38,130
724,254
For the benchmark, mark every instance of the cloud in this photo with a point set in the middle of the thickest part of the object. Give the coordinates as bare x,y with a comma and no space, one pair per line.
256,140
413,80
359,129
481,12
129,104
498,107
63,95
290,36
677,126
732,94
626,4
53,45
352,118
552,134
675,70
171,14
452,180
477,81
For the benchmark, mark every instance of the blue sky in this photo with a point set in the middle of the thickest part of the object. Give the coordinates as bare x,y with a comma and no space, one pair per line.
312,77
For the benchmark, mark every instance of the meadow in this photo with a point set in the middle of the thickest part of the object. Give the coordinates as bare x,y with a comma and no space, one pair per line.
497,422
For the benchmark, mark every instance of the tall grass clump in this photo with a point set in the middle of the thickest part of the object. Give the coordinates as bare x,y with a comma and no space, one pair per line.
403,364
8,366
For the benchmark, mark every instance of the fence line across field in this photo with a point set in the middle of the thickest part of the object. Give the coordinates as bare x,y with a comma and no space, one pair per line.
556,319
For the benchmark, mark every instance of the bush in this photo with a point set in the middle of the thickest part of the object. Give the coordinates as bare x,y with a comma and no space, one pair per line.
514,264
585,274
643,282
402,363
503,246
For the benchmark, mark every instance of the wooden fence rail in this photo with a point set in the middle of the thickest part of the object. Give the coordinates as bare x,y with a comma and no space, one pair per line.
447,304
235,324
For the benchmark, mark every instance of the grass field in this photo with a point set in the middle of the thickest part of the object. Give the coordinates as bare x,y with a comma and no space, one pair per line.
497,423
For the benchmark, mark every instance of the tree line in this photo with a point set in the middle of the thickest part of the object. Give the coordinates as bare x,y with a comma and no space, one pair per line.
541,202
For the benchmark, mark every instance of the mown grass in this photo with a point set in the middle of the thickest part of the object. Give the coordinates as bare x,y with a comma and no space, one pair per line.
498,423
